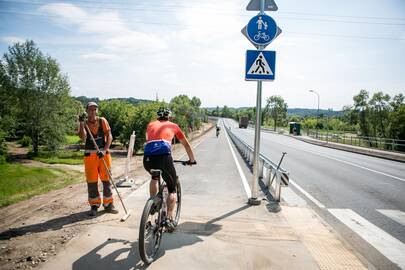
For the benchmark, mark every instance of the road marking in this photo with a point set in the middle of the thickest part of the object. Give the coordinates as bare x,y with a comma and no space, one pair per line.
242,175
349,163
395,215
387,245
359,166
292,198
315,201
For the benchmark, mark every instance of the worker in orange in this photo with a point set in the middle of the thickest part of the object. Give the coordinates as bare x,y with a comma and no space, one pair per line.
93,163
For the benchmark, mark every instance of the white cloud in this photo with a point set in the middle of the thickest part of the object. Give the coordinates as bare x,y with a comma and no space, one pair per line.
402,37
65,13
210,24
113,31
12,39
132,41
98,57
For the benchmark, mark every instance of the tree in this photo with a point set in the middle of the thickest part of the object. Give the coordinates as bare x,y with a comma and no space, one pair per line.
118,114
397,102
276,109
362,109
380,108
41,93
186,112
397,119
138,121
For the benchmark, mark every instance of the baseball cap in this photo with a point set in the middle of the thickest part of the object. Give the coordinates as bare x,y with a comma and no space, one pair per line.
91,103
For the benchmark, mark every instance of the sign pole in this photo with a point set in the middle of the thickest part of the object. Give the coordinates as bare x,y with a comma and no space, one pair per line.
255,181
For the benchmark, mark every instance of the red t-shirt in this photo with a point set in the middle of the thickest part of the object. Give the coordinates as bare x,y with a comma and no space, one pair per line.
163,130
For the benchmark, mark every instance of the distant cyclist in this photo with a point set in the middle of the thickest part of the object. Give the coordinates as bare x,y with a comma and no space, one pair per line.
157,155
218,128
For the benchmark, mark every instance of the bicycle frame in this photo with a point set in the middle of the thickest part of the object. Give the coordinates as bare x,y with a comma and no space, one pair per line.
157,204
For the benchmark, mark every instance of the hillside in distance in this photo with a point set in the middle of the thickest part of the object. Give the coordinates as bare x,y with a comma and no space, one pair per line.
131,100
301,112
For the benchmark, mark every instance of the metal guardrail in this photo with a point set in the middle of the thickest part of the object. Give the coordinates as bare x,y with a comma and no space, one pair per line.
268,170
362,141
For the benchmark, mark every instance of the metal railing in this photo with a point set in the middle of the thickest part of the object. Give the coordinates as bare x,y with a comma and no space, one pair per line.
362,141
271,174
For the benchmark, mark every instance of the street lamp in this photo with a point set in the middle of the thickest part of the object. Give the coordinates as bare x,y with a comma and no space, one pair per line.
317,114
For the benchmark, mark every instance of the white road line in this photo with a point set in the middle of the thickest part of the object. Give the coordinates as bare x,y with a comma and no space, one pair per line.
315,201
349,163
361,167
389,246
395,215
242,175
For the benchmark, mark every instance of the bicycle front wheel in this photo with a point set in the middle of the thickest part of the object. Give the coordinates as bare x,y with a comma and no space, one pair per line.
178,203
150,231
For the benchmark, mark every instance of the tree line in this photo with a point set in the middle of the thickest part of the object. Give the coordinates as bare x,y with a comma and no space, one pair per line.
36,105
378,115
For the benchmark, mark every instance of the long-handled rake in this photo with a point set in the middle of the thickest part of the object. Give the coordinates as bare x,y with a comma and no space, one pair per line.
127,213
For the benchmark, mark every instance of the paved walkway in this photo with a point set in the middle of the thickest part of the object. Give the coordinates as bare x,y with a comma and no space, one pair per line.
217,229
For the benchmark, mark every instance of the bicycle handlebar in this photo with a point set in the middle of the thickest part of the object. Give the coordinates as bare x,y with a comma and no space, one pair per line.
185,162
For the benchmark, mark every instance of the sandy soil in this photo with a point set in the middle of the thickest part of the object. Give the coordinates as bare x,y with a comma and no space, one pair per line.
34,230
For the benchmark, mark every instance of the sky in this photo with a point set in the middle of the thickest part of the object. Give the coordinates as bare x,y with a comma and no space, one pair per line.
144,49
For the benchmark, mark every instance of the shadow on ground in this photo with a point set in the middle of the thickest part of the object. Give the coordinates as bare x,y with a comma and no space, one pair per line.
126,255
53,224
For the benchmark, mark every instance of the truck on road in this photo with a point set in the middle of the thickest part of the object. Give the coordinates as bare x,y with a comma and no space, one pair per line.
243,122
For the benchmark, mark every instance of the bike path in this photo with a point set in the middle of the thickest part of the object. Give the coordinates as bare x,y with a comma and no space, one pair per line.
217,229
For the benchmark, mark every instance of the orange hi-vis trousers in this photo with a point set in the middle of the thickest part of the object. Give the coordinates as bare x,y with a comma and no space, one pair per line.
94,169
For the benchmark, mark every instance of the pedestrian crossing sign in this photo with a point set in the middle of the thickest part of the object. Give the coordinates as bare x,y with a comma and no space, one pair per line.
260,65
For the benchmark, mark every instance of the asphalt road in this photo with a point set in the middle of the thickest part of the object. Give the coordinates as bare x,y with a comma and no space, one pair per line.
348,188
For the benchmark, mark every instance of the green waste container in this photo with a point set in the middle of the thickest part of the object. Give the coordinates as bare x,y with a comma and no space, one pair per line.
295,128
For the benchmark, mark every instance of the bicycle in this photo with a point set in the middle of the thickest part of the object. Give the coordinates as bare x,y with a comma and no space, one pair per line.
260,35
154,216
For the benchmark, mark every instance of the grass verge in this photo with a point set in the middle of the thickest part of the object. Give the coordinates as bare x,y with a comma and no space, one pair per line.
73,139
19,182
60,157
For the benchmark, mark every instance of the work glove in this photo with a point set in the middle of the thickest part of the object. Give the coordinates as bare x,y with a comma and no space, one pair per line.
83,117
100,154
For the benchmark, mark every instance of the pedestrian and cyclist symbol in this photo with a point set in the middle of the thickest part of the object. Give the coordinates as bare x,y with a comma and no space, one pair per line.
260,65
261,29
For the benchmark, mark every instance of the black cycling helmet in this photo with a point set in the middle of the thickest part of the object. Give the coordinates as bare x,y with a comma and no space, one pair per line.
163,114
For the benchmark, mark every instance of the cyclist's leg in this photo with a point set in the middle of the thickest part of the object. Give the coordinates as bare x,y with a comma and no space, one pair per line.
150,162
169,175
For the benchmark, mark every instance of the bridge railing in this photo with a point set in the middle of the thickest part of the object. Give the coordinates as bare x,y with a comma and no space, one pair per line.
273,176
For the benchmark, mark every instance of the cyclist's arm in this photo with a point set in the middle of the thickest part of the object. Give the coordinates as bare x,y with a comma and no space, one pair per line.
189,151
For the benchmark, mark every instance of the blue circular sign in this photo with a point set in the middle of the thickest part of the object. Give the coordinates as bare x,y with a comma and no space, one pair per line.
261,29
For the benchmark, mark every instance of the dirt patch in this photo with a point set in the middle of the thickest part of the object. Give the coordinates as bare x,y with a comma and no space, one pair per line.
34,230
16,151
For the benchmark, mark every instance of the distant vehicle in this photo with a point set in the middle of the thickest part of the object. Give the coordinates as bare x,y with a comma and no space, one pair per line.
243,122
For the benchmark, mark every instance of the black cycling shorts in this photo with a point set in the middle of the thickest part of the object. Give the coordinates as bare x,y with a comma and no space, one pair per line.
165,164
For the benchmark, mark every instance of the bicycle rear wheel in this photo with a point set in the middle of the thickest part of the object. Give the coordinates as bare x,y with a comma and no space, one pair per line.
150,231
178,203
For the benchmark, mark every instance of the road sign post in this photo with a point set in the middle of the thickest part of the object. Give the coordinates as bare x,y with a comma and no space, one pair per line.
260,66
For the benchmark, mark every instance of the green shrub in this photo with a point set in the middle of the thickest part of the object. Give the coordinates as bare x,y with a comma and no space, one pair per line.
3,150
73,139
25,141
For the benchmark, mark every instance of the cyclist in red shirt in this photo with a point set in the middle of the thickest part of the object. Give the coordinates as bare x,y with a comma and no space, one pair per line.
157,155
